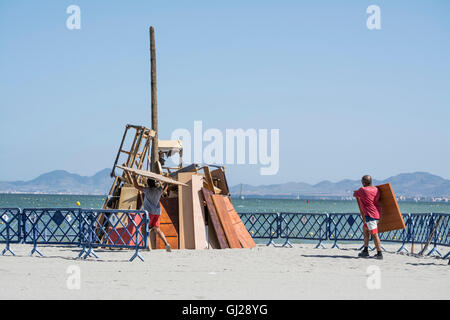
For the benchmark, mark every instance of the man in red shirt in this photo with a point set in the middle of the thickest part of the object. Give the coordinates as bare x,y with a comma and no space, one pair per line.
368,198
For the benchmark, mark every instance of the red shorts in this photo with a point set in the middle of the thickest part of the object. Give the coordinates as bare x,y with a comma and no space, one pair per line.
154,220
371,224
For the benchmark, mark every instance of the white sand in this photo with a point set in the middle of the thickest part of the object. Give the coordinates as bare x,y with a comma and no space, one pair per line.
264,272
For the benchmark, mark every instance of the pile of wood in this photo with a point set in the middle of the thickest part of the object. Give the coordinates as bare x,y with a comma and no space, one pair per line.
196,211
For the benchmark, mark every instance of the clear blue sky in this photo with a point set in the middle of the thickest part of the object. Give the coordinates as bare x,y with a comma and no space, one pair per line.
348,101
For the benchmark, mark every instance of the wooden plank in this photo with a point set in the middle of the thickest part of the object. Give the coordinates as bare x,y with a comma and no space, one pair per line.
186,229
244,236
391,218
225,220
213,243
208,179
200,241
214,222
127,201
219,175
128,198
151,175
169,223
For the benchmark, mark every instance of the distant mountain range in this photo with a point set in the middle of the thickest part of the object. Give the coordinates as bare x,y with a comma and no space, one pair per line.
61,181
417,184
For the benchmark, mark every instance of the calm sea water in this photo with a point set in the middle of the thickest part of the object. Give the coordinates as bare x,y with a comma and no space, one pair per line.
246,205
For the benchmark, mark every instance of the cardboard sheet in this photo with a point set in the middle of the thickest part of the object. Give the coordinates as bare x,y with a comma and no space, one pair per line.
214,221
225,220
151,175
391,217
169,222
244,236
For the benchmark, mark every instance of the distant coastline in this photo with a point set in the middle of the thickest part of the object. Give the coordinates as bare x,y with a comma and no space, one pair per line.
417,186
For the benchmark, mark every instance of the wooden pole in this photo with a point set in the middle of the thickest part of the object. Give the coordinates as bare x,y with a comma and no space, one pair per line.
154,155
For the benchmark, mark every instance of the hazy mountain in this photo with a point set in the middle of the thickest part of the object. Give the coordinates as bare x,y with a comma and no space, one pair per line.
417,184
61,181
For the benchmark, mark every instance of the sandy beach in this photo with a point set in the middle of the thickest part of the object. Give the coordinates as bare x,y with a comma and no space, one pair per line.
301,272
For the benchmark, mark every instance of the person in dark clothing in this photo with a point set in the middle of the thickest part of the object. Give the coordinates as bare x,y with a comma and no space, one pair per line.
368,197
152,196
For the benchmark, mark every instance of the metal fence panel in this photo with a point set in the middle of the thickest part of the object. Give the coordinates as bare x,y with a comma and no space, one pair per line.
307,226
421,226
442,235
10,225
345,227
114,229
51,225
261,225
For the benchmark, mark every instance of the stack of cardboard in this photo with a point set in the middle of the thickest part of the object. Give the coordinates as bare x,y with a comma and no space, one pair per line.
196,212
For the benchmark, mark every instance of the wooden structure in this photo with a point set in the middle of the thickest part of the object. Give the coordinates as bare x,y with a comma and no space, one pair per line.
192,217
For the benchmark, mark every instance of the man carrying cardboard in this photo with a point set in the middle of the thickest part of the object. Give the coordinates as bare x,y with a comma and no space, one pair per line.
368,197
152,196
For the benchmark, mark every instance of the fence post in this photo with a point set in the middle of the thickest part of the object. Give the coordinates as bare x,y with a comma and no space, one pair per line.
278,226
136,254
335,244
90,251
320,233
33,230
435,236
7,241
405,233
287,242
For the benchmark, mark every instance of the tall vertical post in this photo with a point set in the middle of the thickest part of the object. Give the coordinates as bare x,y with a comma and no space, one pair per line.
154,155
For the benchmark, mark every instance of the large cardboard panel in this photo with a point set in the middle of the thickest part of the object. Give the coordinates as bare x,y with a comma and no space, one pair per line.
152,175
186,215
225,220
169,223
128,198
244,236
184,207
214,223
391,218
200,241
127,201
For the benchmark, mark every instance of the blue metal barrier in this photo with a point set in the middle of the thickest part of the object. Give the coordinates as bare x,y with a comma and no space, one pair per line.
106,228
441,223
10,228
262,225
94,228
51,226
307,226
345,227
401,235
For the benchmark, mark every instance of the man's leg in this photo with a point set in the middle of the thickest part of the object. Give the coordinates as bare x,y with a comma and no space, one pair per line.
373,228
376,241
365,252
163,237
366,237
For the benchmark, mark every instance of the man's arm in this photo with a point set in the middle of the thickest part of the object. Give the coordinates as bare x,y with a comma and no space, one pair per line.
134,180
356,193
